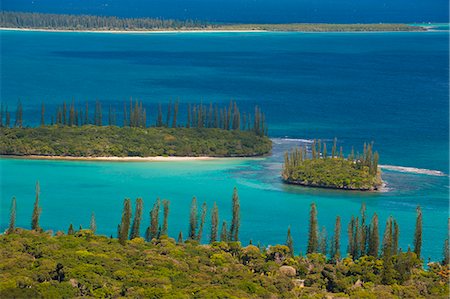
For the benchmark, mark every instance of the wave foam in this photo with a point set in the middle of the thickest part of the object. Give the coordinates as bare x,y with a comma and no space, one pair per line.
292,140
413,170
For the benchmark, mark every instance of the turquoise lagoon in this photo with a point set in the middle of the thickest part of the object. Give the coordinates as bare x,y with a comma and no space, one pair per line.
391,88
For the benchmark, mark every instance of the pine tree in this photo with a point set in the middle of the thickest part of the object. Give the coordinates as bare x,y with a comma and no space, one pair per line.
159,121
418,233
152,231
323,241
224,233
193,220
175,115
165,226
202,221
135,228
313,240
36,211
86,114
12,217
290,242
395,237
19,115
70,231
446,259
93,224
362,232
180,238
214,223
386,273
125,223
336,245
42,114
374,237
352,237
235,221
169,112
7,117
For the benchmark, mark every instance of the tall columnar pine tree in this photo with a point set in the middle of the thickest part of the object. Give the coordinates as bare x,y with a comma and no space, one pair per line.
193,220
374,237
125,223
362,233
418,233
446,254
135,228
169,113
335,253
12,217
235,221
42,114
323,241
165,226
386,273
353,229
202,221
19,115
214,223
395,237
175,115
290,242
224,232
152,230
180,238
36,210
313,239
71,230
93,224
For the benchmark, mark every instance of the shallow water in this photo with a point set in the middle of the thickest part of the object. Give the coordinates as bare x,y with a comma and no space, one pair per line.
391,88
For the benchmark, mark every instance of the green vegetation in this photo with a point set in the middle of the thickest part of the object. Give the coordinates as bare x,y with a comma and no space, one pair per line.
319,169
95,141
86,22
36,264
76,132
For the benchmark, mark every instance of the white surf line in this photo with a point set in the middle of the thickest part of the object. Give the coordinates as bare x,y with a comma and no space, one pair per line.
413,170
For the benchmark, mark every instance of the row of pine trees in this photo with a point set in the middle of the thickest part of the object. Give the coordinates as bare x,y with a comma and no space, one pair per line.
363,236
134,114
295,157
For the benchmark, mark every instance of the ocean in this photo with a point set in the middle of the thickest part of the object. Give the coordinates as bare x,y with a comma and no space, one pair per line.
389,88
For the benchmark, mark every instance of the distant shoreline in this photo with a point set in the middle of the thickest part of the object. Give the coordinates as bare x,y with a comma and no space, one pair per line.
423,29
122,159
134,31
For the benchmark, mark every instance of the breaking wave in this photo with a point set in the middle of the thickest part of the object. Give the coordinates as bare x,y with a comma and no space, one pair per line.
413,170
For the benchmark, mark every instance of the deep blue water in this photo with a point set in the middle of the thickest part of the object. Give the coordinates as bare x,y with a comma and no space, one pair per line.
248,11
391,88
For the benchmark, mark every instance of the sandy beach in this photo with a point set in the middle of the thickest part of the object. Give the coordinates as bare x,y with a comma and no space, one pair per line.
117,159
123,159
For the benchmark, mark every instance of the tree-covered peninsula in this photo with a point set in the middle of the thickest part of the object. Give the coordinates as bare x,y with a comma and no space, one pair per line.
24,20
75,131
81,263
332,170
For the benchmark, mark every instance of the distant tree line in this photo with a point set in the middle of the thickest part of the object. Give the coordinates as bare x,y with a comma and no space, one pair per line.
10,19
134,114
363,235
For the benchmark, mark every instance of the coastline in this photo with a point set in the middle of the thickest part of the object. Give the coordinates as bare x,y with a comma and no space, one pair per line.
134,31
123,159
204,31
